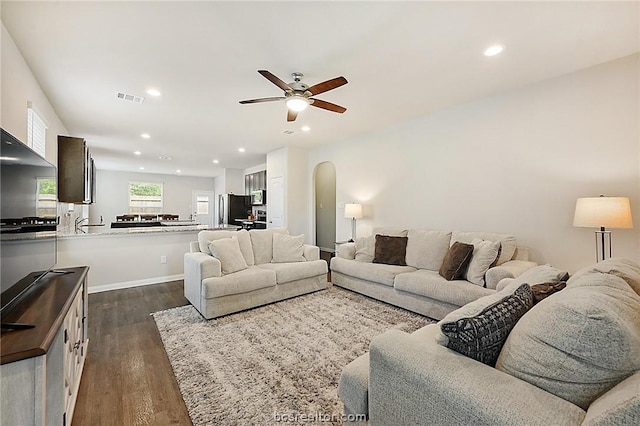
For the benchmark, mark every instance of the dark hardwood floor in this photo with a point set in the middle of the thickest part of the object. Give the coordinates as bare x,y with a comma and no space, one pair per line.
127,378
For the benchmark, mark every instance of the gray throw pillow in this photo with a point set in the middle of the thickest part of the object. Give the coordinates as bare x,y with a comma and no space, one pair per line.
481,337
577,343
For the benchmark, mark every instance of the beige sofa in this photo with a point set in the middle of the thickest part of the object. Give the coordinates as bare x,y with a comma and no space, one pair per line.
571,359
419,287
265,276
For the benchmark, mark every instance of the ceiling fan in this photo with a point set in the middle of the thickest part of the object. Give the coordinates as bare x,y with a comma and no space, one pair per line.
298,96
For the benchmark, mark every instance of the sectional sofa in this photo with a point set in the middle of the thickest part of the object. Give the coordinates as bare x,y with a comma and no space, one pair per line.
418,286
573,358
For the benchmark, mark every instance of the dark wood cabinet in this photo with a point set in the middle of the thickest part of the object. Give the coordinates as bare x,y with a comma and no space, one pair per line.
76,171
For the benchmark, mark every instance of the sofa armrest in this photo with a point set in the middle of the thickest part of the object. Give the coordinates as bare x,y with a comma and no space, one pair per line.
416,381
311,252
510,269
201,266
619,406
347,251
194,247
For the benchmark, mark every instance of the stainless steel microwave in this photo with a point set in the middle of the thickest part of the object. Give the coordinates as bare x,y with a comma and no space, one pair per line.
259,197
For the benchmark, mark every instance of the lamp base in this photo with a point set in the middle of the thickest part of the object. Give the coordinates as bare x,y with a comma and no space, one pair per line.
603,237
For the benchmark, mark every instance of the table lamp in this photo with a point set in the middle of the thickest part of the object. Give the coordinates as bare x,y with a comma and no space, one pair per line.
603,212
353,211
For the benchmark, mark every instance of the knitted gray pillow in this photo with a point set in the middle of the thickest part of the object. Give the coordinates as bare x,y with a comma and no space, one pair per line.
481,337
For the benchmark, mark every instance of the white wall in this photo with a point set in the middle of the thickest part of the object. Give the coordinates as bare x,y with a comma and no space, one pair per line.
18,88
120,261
515,162
112,193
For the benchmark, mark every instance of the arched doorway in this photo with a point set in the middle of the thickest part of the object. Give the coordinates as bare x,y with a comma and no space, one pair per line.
325,205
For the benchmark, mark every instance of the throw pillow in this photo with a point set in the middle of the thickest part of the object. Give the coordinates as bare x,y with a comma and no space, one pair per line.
544,290
365,248
227,251
481,337
578,343
288,248
456,260
427,249
390,250
484,254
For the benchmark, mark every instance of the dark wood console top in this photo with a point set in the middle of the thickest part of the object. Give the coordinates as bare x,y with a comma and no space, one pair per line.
45,306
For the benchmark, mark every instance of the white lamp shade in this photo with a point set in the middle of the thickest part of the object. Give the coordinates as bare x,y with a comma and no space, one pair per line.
353,210
608,212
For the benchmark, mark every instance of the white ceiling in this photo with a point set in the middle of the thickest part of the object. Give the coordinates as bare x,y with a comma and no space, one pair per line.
402,60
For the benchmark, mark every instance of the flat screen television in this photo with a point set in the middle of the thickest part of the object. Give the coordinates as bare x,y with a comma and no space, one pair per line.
28,219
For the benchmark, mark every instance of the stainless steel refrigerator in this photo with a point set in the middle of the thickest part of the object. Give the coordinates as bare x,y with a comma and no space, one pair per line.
232,207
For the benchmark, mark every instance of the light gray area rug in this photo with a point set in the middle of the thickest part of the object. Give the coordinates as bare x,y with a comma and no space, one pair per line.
283,359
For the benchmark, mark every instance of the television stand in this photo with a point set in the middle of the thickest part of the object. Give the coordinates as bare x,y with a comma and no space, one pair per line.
15,326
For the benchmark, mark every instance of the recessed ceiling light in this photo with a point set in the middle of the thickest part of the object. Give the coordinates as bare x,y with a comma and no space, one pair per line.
241,149
178,171
216,161
305,128
494,50
153,92
141,168
145,135
137,152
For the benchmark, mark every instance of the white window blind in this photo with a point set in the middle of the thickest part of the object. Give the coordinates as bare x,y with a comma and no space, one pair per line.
36,132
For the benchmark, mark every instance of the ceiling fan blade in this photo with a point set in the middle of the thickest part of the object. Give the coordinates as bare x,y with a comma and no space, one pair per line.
327,105
255,101
325,86
275,80
291,115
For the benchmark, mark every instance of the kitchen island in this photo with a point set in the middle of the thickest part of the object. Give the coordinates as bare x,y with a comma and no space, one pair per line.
128,257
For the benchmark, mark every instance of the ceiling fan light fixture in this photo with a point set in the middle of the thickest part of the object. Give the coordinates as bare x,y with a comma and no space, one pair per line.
297,103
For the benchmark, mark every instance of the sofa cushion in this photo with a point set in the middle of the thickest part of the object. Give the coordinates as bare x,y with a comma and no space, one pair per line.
365,248
390,250
227,251
262,243
288,248
507,242
456,261
473,307
250,279
626,269
287,272
578,343
427,249
376,272
484,255
243,240
482,336
431,284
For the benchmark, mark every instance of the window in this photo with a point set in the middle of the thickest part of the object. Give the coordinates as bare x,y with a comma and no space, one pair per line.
202,204
36,132
145,198
46,201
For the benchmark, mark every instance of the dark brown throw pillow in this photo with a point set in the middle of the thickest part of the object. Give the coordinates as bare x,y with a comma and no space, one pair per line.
456,261
544,290
390,250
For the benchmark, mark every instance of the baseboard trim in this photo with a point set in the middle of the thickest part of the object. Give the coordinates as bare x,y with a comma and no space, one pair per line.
137,283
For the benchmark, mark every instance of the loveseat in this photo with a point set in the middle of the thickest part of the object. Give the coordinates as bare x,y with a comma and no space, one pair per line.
571,359
418,286
230,271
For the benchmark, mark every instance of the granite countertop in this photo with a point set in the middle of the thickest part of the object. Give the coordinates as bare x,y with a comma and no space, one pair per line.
147,230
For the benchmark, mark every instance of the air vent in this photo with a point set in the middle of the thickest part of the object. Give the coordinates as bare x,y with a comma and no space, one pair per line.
129,97
162,157
288,132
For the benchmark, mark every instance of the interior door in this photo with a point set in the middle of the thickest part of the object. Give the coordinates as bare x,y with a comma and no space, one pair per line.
202,205
275,206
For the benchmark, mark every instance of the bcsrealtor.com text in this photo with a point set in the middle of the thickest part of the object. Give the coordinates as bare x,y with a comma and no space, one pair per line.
316,417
